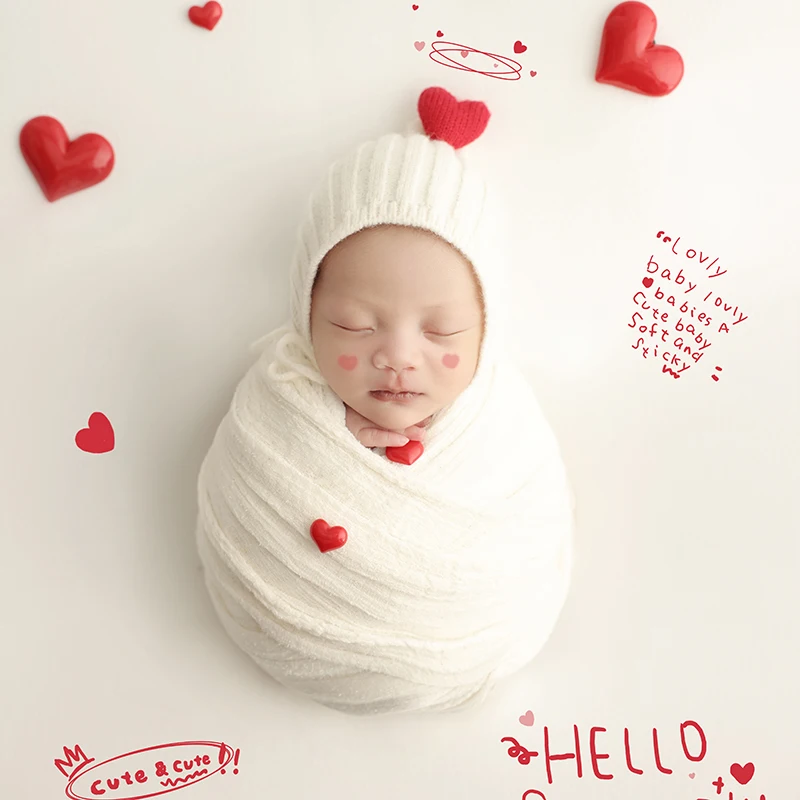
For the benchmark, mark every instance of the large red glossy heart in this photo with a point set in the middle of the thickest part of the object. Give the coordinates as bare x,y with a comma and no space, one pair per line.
206,16
407,454
630,58
60,166
98,437
457,123
327,537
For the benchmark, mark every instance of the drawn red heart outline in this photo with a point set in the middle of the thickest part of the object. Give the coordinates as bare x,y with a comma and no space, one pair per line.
443,117
98,437
328,537
206,16
743,774
59,165
629,57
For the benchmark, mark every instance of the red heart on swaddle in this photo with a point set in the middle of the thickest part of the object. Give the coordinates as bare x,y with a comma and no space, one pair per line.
326,537
407,454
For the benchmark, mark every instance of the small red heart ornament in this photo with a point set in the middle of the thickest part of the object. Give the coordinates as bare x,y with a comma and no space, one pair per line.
445,118
327,537
647,282
519,47
206,16
743,774
59,165
630,58
98,437
407,454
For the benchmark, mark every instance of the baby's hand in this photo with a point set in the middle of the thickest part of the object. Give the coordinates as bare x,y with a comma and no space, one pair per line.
371,435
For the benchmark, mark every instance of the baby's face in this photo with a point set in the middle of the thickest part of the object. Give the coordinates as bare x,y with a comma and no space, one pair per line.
396,308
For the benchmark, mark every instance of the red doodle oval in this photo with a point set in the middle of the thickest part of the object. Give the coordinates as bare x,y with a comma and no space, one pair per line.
151,771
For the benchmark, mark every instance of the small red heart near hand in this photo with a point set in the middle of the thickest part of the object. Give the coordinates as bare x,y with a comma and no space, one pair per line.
60,166
407,454
630,58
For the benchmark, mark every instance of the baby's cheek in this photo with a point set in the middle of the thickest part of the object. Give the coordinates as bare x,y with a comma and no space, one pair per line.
348,362
450,360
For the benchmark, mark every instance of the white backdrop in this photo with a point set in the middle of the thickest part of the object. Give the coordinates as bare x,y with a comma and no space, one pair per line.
138,298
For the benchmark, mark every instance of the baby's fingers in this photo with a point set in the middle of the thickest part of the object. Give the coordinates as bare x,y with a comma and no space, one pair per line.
415,432
378,437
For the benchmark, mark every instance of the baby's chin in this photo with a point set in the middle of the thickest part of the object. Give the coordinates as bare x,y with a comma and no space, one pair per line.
396,416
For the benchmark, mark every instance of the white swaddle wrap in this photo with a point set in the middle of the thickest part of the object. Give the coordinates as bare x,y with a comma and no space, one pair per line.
456,566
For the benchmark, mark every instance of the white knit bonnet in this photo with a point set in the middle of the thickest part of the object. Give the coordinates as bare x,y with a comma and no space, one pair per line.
417,179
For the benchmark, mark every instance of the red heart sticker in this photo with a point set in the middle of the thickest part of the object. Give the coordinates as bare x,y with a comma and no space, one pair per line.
519,47
327,537
647,282
60,166
743,774
206,16
630,58
457,123
98,437
407,454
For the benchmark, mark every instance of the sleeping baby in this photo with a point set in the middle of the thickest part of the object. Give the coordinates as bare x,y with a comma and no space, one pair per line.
355,572
396,325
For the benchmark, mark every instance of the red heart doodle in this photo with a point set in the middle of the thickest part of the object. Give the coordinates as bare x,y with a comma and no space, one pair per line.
419,45
743,774
647,282
519,47
527,718
457,123
407,454
533,73
415,7
630,58
98,437
60,166
327,537
439,34
691,775
464,53
206,16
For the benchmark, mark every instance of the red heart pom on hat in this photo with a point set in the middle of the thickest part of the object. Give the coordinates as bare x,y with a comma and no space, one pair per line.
457,123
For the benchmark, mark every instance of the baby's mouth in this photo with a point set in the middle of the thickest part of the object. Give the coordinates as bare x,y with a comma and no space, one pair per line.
394,396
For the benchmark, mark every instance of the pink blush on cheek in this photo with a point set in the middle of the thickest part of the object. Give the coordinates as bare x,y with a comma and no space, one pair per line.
450,360
348,362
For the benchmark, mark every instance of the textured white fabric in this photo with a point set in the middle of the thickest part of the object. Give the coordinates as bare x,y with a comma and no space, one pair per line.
457,566
455,569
